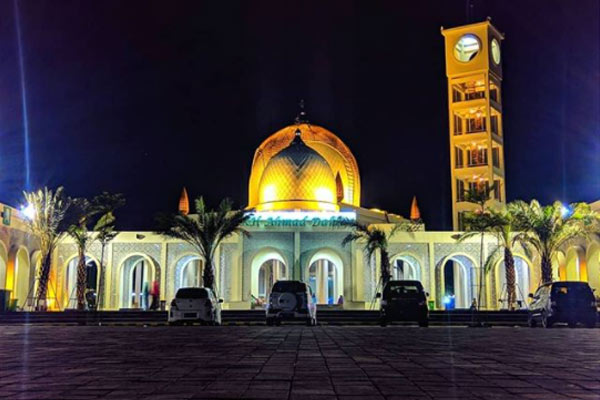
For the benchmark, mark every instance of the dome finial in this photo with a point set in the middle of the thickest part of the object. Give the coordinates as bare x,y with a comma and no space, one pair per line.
301,117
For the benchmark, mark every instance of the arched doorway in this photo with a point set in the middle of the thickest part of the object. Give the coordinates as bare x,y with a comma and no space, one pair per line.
559,267
593,266
21,285
137,274
522,282
575,265
325,277
3,266
270,271
70,281
188,272
405,267
268,266
457,281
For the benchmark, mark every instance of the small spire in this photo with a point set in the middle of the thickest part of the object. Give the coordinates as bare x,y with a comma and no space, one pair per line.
301,117
184,202
415,213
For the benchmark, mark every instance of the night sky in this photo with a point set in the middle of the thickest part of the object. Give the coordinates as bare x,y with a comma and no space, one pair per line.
145,97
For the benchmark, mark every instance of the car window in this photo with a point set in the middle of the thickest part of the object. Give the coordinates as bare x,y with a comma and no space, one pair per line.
402,290
192,293
289,286
571,289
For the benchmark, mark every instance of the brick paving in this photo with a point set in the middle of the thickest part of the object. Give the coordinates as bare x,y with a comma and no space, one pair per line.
295,362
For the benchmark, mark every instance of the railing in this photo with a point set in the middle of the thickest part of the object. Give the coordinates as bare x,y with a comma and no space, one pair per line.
474,96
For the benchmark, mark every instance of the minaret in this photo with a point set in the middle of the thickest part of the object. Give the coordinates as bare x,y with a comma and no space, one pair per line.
184,203
474,71
415,213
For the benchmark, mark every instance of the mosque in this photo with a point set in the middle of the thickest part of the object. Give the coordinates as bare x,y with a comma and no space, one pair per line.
304,185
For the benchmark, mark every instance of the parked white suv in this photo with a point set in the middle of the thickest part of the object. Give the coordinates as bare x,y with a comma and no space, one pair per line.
195,304
291,300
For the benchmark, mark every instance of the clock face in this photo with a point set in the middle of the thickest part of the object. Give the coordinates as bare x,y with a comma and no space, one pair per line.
495,51
467,48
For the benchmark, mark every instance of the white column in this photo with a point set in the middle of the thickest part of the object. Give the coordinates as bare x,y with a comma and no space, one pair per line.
276,270
323,270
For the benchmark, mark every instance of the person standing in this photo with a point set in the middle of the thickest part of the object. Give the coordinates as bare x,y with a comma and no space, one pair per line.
145,296
155,293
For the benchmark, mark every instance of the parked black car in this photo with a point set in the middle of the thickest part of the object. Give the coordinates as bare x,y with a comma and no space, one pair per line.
404,301
570,302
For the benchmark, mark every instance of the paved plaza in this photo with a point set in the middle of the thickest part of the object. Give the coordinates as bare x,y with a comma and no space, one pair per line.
296,362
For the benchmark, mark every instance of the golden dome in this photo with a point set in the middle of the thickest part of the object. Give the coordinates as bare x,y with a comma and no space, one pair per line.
297,177
338,156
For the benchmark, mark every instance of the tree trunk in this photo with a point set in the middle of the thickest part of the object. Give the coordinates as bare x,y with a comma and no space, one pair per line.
81,281
100,297
42,291
481,273
546,269
509,267
209,275
385,268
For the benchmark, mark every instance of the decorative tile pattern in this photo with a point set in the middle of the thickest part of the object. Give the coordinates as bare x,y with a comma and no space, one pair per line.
174,253
225,266
417,251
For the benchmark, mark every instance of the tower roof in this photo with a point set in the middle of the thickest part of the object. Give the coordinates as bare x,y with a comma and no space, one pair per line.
184,202
415,213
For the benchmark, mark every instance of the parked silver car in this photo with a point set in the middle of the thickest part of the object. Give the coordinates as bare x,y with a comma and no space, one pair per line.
195,304
291,300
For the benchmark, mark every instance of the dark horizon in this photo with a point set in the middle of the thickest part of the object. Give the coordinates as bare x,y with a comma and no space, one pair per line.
144,98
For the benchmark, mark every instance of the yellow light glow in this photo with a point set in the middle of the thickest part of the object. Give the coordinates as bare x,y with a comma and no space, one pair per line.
269,193
324,194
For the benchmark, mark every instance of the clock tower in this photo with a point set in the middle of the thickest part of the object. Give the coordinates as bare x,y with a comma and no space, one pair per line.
474,71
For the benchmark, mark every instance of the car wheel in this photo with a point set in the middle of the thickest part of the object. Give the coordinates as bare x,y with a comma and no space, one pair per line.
531,322
269,321
383,321
277,322
546,321
424,323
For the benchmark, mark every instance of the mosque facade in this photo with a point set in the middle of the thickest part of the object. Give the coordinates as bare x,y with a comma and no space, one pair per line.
304,188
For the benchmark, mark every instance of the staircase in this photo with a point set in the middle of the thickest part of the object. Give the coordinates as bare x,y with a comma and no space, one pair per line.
325,316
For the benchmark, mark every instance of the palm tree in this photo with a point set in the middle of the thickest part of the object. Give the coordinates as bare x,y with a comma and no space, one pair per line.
80,215
377,239
500,223
204,230
106,204
46,212
547,228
